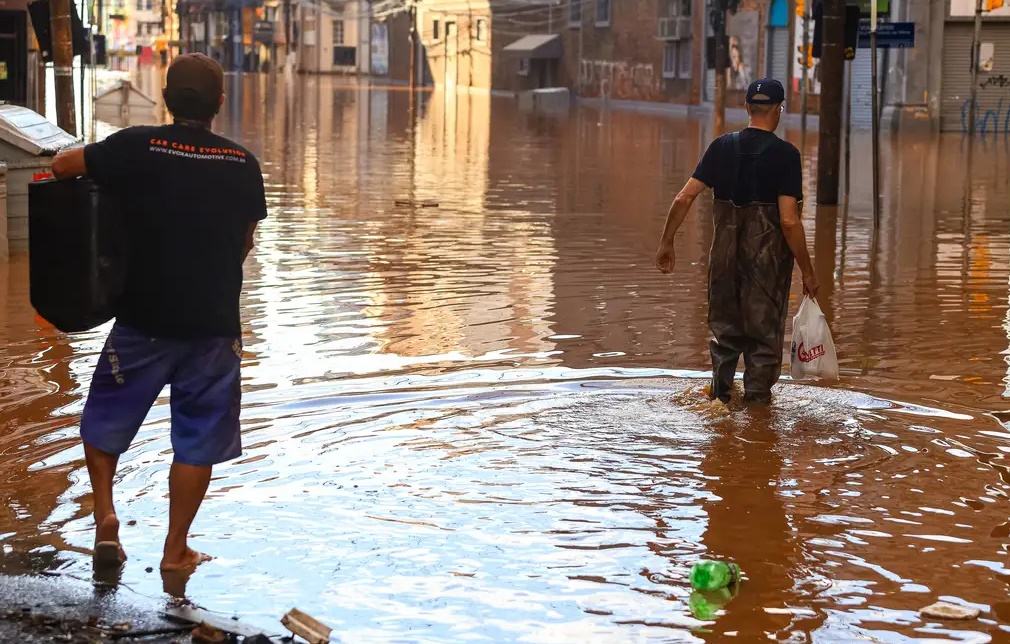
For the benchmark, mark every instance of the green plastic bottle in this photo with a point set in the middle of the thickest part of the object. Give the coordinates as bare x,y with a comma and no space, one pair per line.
706,606
714,575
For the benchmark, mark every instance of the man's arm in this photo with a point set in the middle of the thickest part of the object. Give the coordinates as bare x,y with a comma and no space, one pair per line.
792,229
665,257
250,240
70,164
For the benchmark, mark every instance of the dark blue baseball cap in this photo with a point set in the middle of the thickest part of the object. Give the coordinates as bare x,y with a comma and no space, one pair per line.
765,91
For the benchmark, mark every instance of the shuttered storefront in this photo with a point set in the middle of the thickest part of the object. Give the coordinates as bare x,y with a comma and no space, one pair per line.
778,54
862,84
955,88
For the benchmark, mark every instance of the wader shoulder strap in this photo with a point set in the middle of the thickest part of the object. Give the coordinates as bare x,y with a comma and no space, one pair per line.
737,154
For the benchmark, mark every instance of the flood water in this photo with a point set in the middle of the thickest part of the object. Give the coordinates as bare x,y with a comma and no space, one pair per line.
482,421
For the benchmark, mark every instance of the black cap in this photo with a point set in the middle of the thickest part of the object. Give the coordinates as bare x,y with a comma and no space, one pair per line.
765,91
195,83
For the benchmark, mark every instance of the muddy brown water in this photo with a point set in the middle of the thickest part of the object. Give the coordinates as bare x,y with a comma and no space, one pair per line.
482,421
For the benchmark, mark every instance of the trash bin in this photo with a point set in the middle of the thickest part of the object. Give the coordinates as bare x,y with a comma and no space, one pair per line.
77,253
28,143
4,246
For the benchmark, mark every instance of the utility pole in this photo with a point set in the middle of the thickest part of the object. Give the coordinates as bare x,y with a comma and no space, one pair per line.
718,18
287,31
875,124
805,77
976,44
63,65
412,82
832,78
848,125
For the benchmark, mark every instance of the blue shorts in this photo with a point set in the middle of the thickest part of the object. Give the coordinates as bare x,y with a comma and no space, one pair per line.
206,394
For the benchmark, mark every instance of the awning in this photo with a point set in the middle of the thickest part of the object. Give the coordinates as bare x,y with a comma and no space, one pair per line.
540,46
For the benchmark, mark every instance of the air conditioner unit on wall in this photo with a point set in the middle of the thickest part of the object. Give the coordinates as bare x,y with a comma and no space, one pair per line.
668,29
684,25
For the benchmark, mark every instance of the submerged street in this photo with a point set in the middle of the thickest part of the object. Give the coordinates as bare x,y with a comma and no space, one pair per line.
474,410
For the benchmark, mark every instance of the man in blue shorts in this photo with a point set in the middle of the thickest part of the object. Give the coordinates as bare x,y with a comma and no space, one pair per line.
192,201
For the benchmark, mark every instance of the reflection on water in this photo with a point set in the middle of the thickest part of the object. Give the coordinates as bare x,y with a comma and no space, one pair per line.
462,422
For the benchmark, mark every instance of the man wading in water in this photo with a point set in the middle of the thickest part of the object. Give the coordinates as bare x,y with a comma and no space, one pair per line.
757,179
191,201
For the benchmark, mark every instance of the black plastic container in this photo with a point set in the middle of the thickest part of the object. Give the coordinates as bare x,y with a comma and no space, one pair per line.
77,253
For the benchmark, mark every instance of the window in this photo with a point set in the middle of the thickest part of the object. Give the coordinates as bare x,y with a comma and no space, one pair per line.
338,33
603,13
685,58
575,13
676,8
670,60
481,30
524,66
344,56
434,30
677,59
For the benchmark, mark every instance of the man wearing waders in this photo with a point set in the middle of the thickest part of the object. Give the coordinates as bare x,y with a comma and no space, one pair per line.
757,181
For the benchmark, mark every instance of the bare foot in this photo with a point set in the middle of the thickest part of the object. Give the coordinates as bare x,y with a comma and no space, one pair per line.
108,551
189,561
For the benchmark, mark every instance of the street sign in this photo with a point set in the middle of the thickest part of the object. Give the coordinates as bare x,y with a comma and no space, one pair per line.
883,6
890,35
263,32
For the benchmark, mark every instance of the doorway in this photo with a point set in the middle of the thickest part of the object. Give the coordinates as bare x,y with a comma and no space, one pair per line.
13,57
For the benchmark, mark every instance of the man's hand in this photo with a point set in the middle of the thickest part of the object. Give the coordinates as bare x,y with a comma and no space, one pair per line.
665,259
69,164
810,285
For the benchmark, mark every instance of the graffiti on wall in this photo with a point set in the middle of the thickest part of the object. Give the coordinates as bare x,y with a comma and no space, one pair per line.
992,119
619,80
995,81
988,121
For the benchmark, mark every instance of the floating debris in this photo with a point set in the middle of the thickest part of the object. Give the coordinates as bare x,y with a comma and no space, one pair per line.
946,610
207,634
427,203
306,627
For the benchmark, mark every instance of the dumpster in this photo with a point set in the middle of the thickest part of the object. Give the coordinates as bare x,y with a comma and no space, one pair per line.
28,143
77,253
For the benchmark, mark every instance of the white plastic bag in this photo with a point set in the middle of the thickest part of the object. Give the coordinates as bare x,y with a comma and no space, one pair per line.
813,351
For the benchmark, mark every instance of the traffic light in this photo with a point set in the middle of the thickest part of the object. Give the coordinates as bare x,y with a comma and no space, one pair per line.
993,4
809,57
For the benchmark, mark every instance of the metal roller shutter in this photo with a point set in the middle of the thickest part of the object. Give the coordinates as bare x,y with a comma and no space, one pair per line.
993,101
862,84
778,46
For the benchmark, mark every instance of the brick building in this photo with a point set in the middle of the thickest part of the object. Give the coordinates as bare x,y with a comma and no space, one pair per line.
640,50
633,50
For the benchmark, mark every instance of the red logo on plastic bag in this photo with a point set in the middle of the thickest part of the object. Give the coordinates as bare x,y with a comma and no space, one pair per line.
812,354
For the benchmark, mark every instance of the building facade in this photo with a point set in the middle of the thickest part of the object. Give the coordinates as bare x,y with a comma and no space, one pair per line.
633,50
992,115
335,37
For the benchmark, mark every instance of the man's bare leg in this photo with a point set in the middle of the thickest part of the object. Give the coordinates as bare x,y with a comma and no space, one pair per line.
101,470
187,485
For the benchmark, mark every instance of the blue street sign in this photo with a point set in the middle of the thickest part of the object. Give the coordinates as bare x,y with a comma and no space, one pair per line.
890,35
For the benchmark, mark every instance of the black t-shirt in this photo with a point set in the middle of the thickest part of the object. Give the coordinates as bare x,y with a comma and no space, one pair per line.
778,170
189,197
